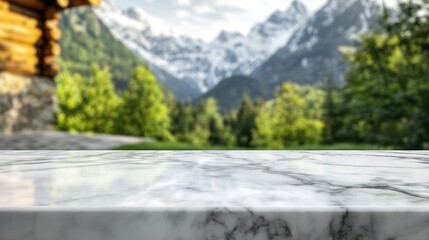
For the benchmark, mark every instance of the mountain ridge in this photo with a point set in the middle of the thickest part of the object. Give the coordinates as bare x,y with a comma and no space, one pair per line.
290,45
230,91
195,62
314,50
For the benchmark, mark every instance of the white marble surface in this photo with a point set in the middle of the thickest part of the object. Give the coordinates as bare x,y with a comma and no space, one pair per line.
214,179
106,195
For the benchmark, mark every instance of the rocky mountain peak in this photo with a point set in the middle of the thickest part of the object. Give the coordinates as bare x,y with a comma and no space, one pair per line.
296,10
225,36
312,52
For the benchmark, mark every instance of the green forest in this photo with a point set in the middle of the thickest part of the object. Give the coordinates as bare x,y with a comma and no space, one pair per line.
383,103
86,40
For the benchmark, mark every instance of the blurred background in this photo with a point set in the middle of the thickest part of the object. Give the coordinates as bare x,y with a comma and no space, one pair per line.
215,74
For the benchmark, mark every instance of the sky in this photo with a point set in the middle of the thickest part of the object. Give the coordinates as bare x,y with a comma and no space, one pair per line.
206,18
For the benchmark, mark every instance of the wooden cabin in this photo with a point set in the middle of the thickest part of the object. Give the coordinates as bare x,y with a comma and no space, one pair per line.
29,35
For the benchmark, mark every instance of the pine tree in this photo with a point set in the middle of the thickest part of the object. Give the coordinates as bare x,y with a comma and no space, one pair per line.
245,122
330,111
182,122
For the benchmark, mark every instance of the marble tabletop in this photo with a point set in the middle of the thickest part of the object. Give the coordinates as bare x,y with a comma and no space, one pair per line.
225,194
214,179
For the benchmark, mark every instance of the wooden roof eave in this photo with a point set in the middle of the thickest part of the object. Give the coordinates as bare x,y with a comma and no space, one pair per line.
40,5
77,3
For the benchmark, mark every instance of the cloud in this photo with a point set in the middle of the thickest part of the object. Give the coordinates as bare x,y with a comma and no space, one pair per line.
205,18
235,3
183,13
208,17
204,9
183,2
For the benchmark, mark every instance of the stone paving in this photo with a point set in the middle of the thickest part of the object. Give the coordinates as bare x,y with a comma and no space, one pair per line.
65,141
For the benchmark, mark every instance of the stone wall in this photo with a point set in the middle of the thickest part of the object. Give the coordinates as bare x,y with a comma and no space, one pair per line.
26,103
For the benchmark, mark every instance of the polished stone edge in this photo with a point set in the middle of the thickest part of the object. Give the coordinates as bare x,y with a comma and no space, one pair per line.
292,209
216,223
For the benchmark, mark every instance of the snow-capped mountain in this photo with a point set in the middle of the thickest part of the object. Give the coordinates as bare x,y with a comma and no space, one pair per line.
278,28
234,54
193,62
314,50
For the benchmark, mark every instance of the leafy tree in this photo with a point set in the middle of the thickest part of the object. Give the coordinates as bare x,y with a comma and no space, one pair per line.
144,112
99,102
314,98
265,134
387,90
283,122
87,104
69,88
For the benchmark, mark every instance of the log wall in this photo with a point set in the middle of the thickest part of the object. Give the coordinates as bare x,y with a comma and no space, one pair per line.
29,35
